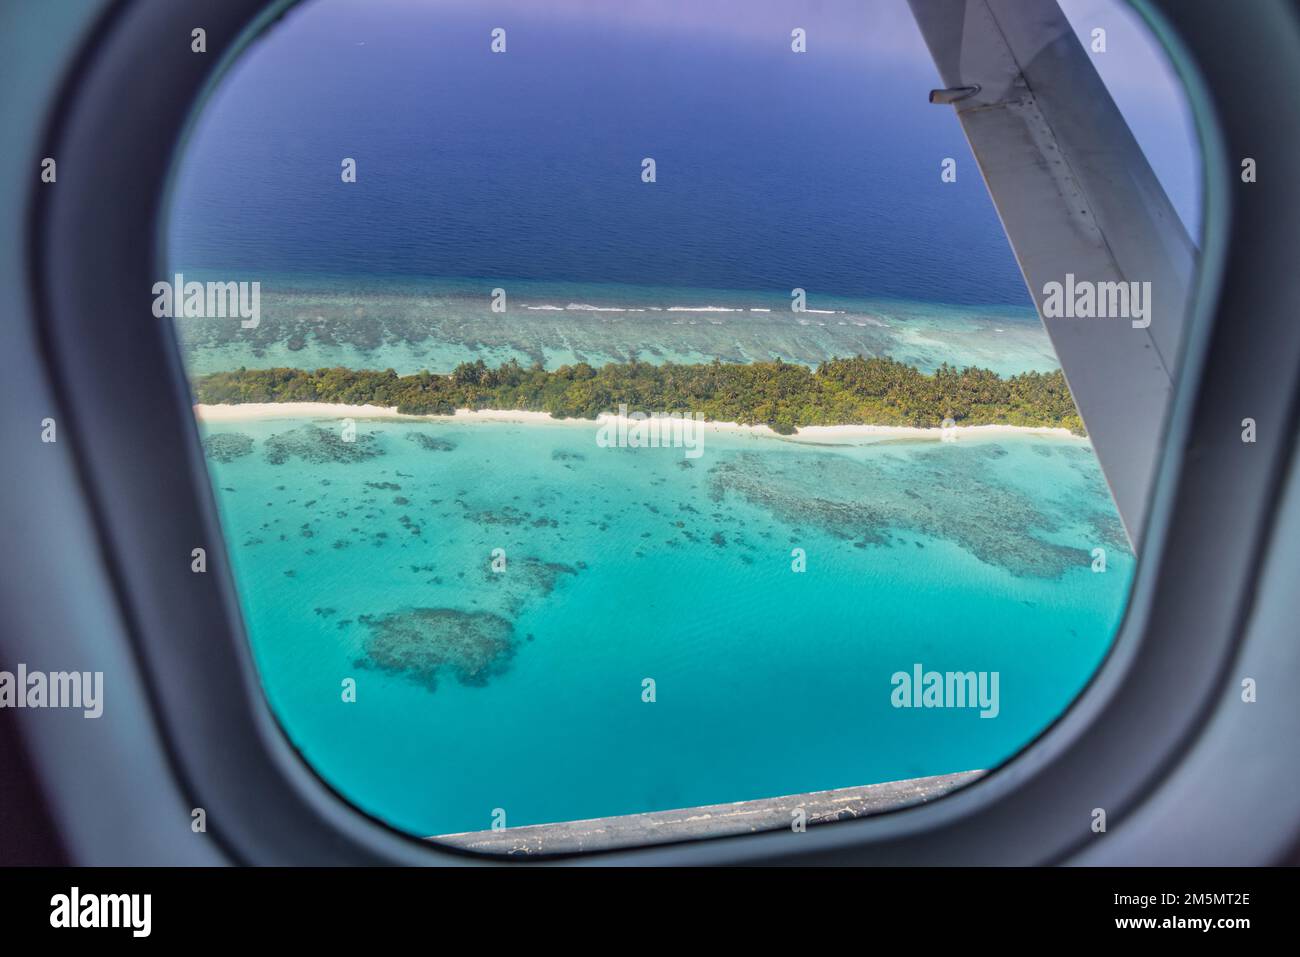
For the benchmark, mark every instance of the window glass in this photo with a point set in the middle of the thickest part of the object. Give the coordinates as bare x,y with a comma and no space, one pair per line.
629,409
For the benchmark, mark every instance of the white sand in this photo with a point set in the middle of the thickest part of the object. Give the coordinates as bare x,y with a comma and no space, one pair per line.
331,410
809,433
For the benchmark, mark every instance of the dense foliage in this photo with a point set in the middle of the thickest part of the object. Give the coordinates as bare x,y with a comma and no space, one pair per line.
858,391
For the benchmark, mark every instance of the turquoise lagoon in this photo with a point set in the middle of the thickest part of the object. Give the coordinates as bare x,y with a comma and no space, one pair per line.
523,690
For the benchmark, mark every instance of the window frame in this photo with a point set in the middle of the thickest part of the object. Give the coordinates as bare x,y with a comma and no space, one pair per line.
96,246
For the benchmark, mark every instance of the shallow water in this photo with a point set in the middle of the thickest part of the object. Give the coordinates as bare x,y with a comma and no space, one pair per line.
522,690
410,325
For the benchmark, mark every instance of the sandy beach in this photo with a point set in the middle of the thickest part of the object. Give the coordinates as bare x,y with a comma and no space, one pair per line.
811,433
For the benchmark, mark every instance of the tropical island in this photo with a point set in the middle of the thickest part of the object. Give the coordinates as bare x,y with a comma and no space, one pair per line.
781,395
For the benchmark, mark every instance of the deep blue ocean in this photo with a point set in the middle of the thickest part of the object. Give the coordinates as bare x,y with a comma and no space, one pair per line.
774,170
521,689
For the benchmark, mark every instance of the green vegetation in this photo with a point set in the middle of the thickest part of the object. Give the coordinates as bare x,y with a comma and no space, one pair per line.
785,396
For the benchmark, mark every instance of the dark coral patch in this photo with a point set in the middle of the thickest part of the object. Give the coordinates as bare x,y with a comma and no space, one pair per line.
430,443
227,446
425,644
931,493
318,446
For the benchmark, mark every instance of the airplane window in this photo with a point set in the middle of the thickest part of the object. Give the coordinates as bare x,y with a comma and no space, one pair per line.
644,421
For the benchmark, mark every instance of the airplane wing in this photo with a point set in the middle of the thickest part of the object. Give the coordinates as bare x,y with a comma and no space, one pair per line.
1076,197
